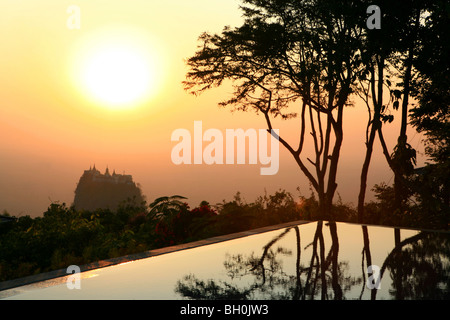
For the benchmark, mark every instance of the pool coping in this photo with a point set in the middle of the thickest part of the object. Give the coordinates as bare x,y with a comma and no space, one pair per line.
15,283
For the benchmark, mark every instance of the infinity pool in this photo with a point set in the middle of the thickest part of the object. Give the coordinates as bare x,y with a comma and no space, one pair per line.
307,261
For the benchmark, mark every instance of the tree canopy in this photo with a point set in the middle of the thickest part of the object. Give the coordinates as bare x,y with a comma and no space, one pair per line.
308,59
290,54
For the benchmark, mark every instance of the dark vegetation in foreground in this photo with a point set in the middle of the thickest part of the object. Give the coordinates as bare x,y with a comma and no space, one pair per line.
65,236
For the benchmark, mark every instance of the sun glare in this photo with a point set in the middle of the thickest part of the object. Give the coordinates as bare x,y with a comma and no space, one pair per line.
117,76
116,73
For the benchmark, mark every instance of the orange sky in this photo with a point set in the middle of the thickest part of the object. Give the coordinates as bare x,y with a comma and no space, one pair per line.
51,130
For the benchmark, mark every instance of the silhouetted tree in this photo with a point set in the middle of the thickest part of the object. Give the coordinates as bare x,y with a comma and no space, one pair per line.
431,88
302,53
377,48
390,55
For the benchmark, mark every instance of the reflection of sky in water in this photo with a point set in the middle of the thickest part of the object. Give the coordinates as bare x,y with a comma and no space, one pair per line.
232,266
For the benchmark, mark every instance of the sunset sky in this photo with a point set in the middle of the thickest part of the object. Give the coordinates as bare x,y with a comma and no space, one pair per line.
56,118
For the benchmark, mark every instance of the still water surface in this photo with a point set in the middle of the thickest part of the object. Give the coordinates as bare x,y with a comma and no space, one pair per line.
309,261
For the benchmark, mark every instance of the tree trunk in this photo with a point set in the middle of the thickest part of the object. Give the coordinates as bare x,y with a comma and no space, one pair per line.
334,161
366,251
337,289
399,182
399,187
376,124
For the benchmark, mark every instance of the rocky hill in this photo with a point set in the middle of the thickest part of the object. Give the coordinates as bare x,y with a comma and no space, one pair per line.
105,191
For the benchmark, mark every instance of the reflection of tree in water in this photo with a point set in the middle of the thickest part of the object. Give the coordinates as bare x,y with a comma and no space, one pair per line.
420,268
263,276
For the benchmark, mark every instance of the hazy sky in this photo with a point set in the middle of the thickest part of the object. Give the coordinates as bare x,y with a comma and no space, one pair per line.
52,126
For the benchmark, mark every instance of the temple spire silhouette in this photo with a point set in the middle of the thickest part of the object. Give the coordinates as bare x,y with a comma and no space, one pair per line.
105,191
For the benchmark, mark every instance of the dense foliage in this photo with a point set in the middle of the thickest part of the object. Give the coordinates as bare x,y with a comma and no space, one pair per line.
64,236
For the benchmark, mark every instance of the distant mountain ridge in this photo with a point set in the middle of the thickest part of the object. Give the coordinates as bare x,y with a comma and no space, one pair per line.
105,191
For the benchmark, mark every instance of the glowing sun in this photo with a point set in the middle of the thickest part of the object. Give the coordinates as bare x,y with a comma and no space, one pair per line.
116,73
117,76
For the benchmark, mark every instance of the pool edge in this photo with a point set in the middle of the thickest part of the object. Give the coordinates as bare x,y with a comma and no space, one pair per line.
15,283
